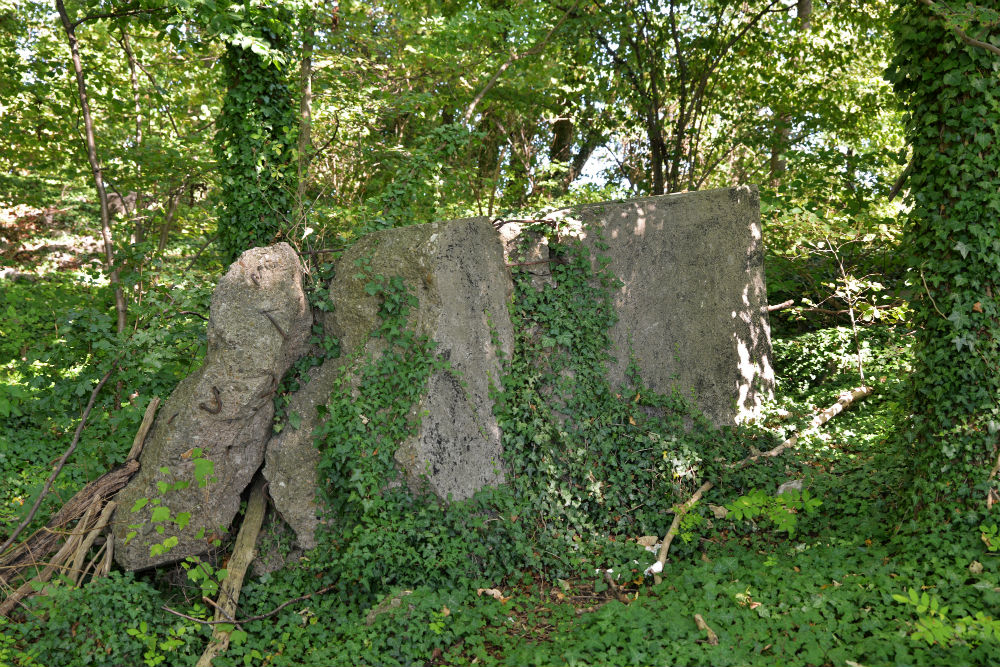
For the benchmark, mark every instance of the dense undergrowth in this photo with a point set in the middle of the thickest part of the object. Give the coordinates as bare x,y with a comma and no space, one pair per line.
516,575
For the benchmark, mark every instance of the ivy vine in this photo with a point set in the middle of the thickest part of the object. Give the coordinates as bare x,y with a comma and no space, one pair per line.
254,144
950,91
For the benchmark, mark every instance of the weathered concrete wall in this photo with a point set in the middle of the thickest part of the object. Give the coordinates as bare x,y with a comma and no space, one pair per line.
291,457
259,324
457,271
692,308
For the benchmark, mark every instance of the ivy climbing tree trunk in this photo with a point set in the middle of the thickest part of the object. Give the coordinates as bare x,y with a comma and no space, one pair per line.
95,165
949,87
253,143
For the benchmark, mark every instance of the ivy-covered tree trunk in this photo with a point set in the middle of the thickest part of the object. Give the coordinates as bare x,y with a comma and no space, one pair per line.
254,141
948,76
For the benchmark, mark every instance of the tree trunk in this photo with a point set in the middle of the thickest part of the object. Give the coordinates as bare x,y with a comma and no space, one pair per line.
657,148
305,124
951,236
95,167
562,139
783,131
140,233
168,221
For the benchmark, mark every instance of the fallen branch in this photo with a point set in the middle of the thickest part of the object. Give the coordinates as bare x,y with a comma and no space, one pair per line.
243,554
92,500
240,621
675,525
140,435
93,495
615,588
713,638
322,251
842,403
75,549
76,569
845,311
27,587
781,306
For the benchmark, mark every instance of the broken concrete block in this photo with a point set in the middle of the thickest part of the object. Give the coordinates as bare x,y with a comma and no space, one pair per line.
291,456
692,307
457,272
209,436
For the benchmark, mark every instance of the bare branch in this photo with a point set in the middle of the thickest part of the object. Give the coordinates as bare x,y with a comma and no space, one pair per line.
901,181
252,618
843,402
117,15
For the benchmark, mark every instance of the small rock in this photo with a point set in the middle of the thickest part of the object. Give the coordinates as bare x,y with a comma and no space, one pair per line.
793,485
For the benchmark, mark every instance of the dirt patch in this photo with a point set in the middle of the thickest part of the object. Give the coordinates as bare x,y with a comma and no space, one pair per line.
36,241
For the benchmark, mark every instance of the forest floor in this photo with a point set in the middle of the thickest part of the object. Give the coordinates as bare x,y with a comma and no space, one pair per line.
856,584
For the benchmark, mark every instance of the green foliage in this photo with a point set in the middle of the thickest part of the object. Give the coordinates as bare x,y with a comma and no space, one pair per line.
113,620
935,627
952,103
990,535
589,467
364,424
590,458
64,335
781,510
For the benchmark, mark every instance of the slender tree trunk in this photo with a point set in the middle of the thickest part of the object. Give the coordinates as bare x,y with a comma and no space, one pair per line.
95,167
778,164
657,149
140,232
168,221
305,123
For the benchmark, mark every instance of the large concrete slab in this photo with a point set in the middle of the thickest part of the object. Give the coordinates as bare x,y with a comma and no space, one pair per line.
456,270
692,307
259,324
